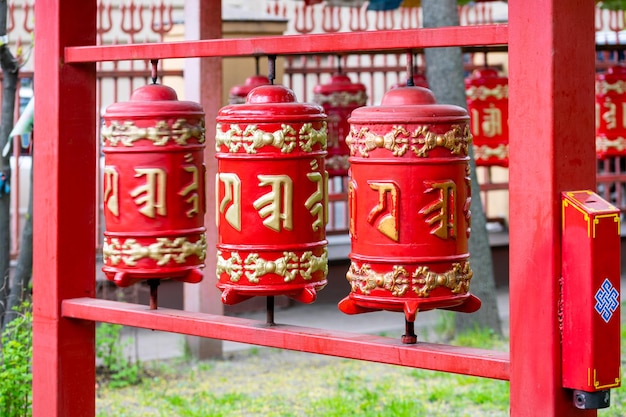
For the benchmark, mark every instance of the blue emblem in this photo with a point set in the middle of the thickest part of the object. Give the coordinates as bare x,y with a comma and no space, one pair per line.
607,300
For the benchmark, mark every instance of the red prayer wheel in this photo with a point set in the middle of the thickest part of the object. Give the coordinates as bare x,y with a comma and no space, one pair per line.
271,197
409,200
488,105
154,201
610,114
238,93
338,98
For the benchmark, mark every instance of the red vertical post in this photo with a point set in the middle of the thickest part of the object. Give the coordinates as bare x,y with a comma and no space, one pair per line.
64,210
551,81
203,84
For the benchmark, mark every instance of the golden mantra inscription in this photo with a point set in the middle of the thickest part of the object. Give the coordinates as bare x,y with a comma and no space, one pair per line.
160,134
399,281
342,98
162,251
252,138
482,93
288,266
399,140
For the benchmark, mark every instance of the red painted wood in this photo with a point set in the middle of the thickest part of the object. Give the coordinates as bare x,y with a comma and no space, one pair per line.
551,127
64,212
298,44
461,360
203,84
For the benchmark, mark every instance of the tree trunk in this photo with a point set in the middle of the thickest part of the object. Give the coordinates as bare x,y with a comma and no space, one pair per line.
10,71
444,71
24,269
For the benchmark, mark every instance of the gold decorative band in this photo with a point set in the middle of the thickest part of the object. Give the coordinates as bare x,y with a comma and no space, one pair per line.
162,251
336,162
485,152
399,281
603,87
126,133
341,98
252,138
482,93
604,144
288,266
399,140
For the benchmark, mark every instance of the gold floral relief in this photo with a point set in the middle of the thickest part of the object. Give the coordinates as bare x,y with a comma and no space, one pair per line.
603,87
399,140
456,279
341,98
252,138
399,281
289,266
180,132
485,152
604,144
163,251
482,93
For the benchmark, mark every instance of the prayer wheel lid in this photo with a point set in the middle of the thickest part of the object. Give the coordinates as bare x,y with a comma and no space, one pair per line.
152,100
270,102
408,105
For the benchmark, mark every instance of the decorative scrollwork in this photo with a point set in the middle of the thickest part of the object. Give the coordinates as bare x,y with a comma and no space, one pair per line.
163,251
485,152
398,281
398,140
603,87
310,136
252,138
482,93
457,279
126,133
341,98
604,144
288,266
364,280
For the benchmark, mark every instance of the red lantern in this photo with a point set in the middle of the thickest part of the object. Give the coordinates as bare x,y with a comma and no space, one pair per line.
237,94
338,98
409,200
154,201
610,103
488,104
271,197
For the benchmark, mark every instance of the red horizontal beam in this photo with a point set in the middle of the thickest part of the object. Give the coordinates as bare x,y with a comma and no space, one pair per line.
437,357
349,42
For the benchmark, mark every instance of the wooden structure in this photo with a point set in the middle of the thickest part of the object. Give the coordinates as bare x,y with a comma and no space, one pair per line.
551,126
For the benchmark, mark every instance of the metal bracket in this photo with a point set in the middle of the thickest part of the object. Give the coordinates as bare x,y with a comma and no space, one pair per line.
592,400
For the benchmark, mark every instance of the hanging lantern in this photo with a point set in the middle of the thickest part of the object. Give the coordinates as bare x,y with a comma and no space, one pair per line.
409,201
338,98
271,197
154,201
610,103
238,93
488,104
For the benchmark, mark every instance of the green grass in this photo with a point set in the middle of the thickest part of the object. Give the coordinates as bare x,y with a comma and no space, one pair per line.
277,383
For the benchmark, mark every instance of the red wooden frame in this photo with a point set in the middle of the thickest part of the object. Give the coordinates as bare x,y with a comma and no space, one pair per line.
551,67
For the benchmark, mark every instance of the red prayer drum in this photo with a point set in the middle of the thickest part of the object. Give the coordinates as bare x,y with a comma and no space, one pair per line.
409,200
338,98
237,94
154,201
271,197
610,114
488,104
